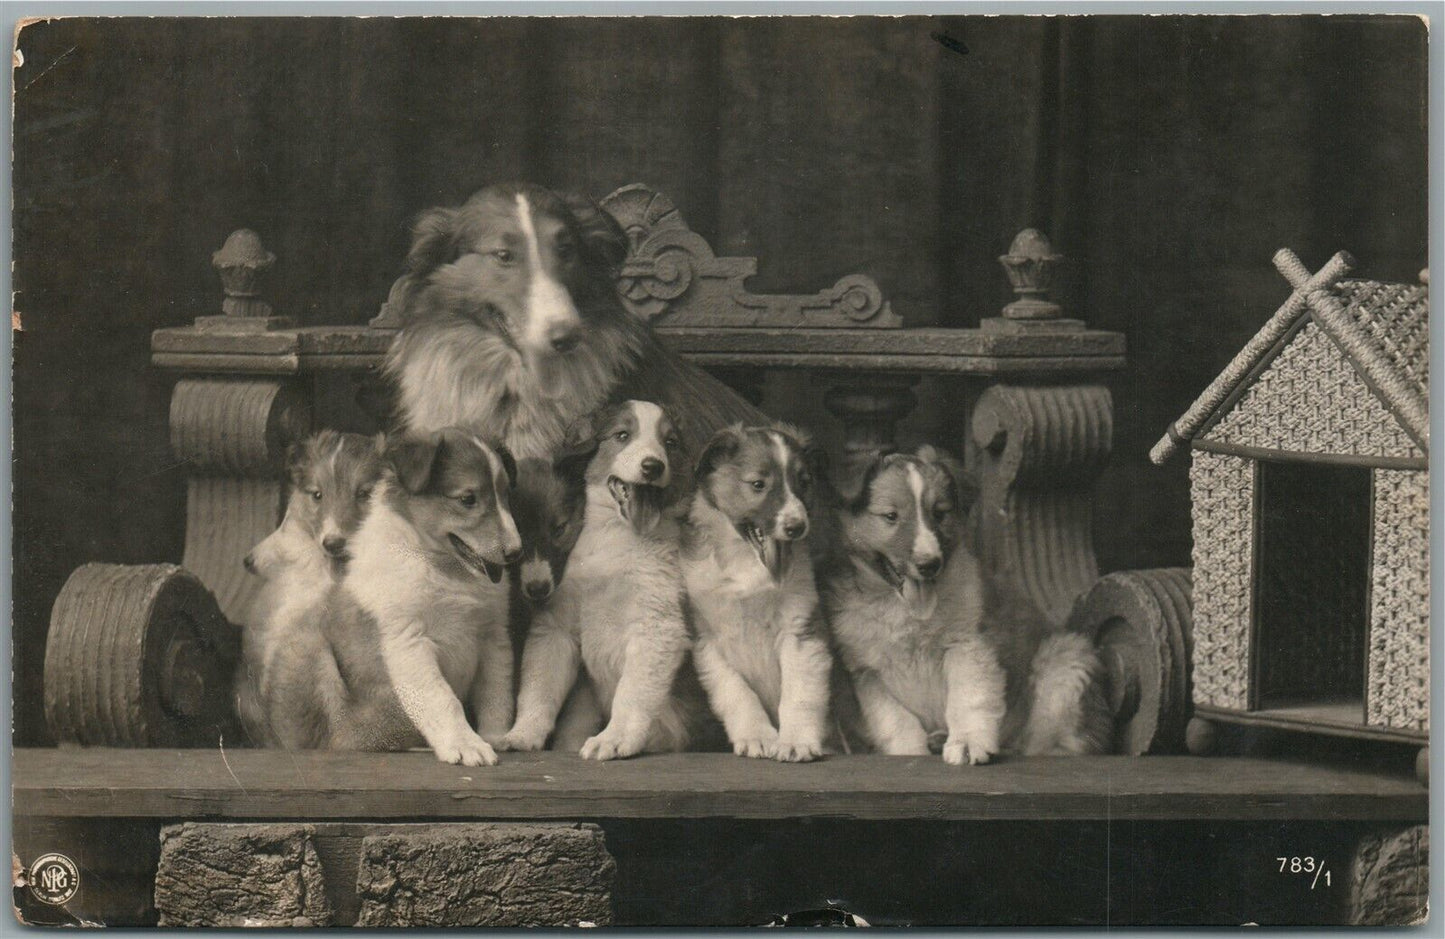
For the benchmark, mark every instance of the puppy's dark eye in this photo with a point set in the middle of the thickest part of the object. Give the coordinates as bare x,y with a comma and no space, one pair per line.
315,495
503,256
467,499
363,494
941,513
565,250
890,517
621,436
759,484
672,443
559,529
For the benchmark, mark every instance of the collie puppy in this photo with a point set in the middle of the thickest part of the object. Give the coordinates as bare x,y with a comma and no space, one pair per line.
619,610
419,618
548,506
288,683
935,651
512,327
760,650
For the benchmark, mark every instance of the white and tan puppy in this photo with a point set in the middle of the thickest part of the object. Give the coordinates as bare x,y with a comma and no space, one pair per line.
419,620
933,648
760,650
288,684
619,610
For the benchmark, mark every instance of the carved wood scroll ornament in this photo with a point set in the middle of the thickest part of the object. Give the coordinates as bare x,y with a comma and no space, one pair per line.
671,274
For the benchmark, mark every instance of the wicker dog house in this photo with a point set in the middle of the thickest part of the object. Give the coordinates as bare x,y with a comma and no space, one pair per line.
1311,502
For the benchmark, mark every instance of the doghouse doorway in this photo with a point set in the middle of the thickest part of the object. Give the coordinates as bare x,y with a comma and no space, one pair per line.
1312,589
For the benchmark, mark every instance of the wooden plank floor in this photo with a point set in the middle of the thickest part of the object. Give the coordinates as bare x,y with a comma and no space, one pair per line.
257,784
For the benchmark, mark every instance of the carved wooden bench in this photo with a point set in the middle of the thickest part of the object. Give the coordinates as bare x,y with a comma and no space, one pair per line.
249,382
143,656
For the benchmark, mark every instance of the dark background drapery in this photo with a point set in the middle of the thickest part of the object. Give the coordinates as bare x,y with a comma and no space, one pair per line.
1168,157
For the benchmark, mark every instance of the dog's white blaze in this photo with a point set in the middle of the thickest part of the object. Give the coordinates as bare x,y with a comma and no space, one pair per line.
647,443
925,542
328,523
548,302
536,570
499,478
793,508
335,453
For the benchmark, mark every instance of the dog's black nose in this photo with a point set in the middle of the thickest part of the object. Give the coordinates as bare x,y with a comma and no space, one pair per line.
249,563
334,545
511,555
538,589
564,339
930,568
652,468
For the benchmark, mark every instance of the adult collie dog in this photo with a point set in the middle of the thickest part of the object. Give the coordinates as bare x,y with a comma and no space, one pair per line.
512,327
936,650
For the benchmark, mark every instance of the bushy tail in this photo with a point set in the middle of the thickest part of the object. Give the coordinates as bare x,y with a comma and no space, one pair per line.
1068,713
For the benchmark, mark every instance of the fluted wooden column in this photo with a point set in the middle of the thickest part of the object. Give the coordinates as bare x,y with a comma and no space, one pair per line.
1037,451
232,434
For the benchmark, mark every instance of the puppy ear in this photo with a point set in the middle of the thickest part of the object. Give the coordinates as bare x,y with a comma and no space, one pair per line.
965,486
723,446
414,459
295,461
603,240
816,459
578,446
580,438
509,463
819,467
433,241
856,496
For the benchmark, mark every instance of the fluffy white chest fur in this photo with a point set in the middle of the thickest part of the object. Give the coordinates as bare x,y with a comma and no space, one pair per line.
617,585
747,615
414,601
759,653
877,633
288,604
619,610
456,375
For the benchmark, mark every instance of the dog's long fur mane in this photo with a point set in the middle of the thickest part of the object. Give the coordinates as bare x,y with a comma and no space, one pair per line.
450,371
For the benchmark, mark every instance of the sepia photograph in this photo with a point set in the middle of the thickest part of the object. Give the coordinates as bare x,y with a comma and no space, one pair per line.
705,470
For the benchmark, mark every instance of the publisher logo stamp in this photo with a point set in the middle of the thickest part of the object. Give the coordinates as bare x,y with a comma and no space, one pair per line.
54,879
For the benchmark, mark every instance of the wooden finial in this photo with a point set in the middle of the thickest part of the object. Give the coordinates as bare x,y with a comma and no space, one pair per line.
242,263
1030,265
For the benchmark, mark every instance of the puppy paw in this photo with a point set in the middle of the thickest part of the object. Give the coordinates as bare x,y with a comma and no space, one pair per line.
970,752
798,751
467,749
521,739
607,746
761,744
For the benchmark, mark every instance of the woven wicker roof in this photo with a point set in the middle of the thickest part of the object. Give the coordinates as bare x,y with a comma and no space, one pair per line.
1396,317
1381,328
